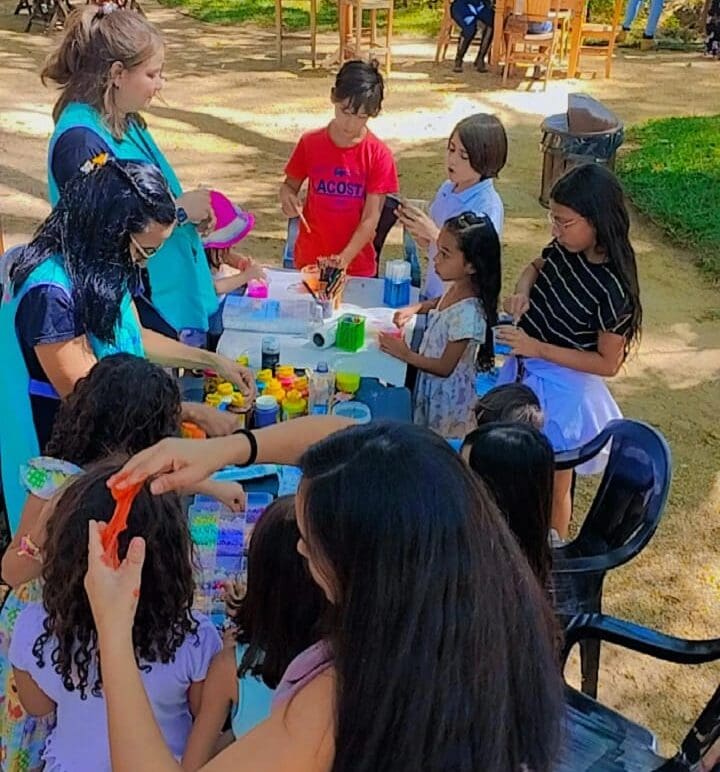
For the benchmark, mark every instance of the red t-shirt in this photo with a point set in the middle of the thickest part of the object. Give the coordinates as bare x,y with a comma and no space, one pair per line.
339,179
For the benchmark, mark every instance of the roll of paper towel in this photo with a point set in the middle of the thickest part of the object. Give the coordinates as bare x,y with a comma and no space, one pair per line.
324,337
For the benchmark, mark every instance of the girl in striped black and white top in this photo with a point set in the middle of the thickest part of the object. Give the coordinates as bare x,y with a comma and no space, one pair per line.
578,313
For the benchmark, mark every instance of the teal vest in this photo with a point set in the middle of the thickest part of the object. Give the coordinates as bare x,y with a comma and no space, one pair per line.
18,440
180,278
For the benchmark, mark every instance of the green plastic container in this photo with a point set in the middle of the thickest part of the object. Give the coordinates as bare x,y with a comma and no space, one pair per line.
350,332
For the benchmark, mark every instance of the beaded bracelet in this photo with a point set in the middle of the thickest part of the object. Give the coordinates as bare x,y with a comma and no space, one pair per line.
29,549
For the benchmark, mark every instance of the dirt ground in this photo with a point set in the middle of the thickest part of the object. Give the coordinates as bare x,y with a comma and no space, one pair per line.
231,119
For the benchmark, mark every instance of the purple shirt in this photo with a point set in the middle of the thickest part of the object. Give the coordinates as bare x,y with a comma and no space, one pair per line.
79,742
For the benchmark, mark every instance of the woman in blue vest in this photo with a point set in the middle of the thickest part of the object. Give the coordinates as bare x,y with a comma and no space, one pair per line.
67,303
109,66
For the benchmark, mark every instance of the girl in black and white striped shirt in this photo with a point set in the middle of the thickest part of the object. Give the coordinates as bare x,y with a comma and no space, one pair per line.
578,313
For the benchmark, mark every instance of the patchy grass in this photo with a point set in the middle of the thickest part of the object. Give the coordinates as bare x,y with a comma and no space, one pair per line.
415,18
672,173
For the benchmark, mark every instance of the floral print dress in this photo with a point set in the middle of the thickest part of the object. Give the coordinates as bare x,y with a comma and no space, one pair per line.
22,737
446,404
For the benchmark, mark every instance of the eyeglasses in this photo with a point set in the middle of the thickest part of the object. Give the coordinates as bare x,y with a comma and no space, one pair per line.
561,226
146,252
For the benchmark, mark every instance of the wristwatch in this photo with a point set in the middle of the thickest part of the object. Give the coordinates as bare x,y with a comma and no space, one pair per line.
181,216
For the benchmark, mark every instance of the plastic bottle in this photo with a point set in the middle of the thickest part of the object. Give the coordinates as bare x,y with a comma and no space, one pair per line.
274,389
293,406
266,411
270,353
214,400
238,407
321,386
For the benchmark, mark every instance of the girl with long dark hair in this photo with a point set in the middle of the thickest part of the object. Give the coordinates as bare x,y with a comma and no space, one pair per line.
517,464
68,302
439,654
276,618
458,337
578,314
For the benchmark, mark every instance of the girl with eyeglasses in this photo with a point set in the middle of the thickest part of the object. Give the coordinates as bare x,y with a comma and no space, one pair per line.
458,336
578,313
68,303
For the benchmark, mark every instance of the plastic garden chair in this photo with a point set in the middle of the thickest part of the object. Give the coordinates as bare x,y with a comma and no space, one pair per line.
385,402
622,518
599,738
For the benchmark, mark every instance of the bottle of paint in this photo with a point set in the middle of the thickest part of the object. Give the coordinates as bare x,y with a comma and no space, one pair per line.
293,406
270,353
266,411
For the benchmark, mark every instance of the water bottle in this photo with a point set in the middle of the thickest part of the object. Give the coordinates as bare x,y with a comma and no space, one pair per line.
321,385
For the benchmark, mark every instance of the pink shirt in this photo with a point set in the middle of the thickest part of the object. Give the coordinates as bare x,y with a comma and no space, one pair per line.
304,668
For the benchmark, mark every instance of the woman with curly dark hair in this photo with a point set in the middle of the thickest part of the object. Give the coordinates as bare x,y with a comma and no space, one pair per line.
68,303
123,405
54,651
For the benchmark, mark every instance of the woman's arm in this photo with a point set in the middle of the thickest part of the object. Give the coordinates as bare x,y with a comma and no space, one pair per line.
606,361
365,232
171,353
218,696
442,366
18,569
66,362
180,464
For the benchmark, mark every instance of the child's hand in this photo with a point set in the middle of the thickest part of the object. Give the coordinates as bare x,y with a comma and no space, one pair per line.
518,340
113,594
289,202
516,305
403,316
420,225
229,493
254,272
396,347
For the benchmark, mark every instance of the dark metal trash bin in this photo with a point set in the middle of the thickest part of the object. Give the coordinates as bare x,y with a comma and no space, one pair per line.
564,147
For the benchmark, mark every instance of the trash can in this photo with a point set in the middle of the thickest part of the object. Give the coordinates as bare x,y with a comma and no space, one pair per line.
587,133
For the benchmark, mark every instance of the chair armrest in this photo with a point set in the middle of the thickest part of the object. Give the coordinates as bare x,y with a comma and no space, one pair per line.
596,563
638,638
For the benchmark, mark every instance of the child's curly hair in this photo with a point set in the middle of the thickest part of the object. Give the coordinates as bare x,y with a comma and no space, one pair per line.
163,618
123,405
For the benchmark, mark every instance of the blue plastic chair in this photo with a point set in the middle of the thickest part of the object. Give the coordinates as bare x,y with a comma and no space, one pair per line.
622,518
599,738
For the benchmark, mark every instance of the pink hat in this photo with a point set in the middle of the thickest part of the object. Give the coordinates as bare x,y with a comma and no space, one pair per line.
232,223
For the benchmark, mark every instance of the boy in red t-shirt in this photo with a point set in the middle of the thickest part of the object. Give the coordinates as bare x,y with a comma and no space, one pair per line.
349,172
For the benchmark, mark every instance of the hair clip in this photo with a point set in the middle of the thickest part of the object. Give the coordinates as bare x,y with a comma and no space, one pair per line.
107,8
94,163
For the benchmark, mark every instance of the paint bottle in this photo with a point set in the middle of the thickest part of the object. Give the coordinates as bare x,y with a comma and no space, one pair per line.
270,353
293,406
266,411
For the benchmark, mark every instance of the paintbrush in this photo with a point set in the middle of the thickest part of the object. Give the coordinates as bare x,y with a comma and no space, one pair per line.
309,289
303,220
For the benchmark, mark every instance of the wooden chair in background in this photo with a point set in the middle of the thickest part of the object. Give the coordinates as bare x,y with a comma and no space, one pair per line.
363,41
523,49
280,35
606,33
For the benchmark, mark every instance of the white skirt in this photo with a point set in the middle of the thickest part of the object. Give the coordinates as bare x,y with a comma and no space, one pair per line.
577,406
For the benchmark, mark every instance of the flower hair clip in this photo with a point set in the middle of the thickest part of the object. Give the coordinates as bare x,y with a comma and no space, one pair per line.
107,8
94,163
